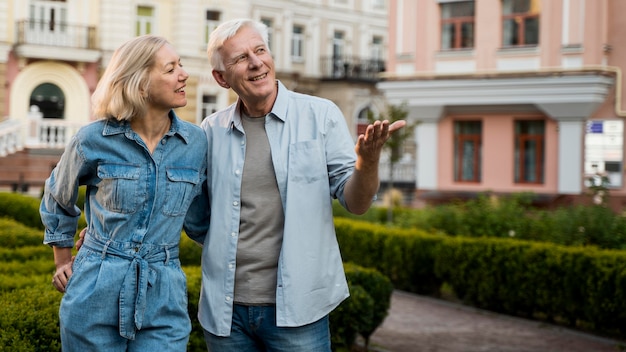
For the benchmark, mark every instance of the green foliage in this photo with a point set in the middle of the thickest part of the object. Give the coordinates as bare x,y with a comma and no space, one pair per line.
365,309
14,234
22,208
581,286
405,256
30,322
378,287
512,216
25,209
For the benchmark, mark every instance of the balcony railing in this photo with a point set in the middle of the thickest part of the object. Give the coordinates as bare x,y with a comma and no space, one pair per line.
352,68
56,34
10,137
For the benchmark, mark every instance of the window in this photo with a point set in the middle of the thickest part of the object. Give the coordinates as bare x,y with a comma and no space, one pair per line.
297,43
363,120
520,22
377,47
270,32
211,22
145,18
209,105
377,64
338,54
529,151
457,25
467,151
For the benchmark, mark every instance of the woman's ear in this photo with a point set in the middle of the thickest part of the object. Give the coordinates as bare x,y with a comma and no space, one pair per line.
219,78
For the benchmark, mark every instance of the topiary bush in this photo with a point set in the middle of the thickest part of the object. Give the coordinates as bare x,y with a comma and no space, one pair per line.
30,322
22,208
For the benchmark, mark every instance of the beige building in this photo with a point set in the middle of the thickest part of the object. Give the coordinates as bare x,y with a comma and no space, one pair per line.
52,53
512,95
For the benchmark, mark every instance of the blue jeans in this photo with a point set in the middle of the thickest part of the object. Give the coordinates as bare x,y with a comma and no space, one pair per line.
254,330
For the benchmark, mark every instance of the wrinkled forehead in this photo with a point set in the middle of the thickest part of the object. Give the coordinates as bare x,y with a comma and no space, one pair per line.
244,39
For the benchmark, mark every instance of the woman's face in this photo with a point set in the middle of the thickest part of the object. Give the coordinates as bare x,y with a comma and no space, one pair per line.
167,80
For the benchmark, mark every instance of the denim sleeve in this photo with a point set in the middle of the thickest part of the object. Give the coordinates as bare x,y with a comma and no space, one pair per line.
196,224
58,210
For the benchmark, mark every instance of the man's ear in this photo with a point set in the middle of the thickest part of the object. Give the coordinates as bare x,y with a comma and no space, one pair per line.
220,79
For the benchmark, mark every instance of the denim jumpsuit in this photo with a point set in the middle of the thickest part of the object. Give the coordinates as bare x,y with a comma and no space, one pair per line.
127,291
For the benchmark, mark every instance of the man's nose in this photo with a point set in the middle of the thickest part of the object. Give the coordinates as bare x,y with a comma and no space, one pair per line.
255,61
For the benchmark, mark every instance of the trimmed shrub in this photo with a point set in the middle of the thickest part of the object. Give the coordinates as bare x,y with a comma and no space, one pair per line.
30,322
14,234
22,208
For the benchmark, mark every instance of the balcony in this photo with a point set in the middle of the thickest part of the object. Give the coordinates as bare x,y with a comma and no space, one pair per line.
56,41
352,69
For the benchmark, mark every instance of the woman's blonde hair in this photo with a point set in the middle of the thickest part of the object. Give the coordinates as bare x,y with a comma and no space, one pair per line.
122,92
227,30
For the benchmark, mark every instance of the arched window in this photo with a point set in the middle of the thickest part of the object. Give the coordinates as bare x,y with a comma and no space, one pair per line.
49,99
363,121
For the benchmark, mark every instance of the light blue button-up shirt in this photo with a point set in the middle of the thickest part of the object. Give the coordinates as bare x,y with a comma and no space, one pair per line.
313,157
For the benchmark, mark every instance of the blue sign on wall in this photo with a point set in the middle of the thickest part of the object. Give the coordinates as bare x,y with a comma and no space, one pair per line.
595,127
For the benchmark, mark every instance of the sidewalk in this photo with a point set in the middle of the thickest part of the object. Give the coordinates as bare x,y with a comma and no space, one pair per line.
424,324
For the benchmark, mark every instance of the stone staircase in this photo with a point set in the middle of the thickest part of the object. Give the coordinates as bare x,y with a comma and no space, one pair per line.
25,171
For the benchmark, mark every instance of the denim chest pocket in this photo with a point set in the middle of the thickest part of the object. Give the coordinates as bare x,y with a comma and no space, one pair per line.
119,190
179,190
306,162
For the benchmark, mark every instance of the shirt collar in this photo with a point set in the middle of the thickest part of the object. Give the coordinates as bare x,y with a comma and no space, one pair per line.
113,127
279,110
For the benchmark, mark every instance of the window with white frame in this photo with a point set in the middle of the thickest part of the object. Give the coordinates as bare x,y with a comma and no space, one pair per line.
209,105
297,43
338,53
145,20
378,4
212,20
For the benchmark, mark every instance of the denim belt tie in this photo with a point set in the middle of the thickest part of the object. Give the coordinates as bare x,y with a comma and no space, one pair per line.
132,300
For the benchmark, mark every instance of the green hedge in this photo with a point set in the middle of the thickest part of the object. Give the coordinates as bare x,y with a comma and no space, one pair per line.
405,256
22,208
27,266
578,286
30,322
25,209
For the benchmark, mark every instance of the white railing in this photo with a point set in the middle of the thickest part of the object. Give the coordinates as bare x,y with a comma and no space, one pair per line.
10,137
403,171
51,133
36,133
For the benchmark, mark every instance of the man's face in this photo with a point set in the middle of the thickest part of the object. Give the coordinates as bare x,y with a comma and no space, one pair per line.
249,67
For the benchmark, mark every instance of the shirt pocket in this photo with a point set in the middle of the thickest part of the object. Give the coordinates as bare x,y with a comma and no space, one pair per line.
306,162
119,189
179,190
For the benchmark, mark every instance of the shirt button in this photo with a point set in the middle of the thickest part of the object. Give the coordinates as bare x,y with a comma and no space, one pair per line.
227,298
136,249
232,234
243,142
163,141
235,203
230,266
237,172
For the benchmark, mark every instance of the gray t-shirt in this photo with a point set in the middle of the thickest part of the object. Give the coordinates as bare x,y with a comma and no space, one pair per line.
262,220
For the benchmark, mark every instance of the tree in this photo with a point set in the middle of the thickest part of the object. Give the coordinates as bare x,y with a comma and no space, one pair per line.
395,142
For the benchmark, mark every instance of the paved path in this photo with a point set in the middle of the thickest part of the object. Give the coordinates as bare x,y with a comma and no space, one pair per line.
424,324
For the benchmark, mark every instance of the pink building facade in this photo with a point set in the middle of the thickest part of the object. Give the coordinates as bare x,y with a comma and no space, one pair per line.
512,96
